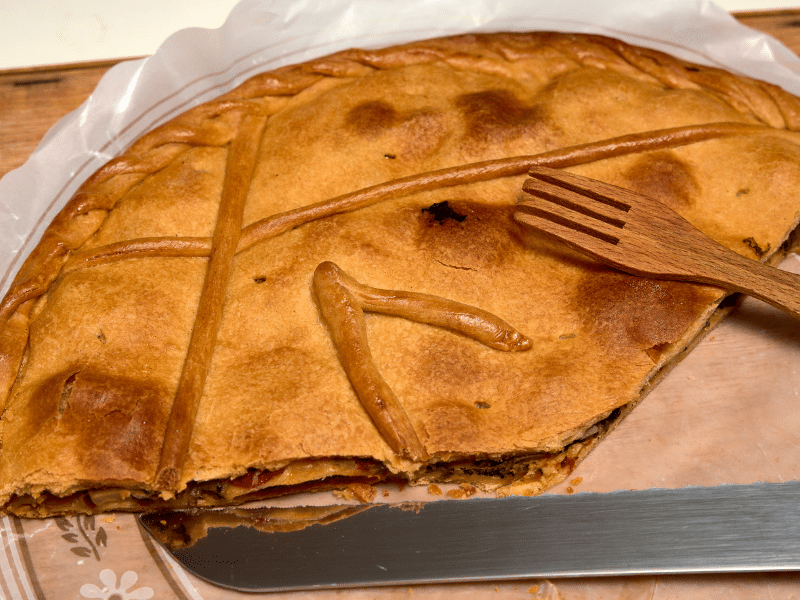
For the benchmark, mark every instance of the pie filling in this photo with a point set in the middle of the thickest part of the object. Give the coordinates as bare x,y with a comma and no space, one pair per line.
312,475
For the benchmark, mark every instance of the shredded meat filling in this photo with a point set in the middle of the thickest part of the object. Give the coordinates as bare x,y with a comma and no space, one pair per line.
255,485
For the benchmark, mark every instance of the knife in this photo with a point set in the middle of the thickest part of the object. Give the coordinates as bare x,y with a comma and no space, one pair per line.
728,528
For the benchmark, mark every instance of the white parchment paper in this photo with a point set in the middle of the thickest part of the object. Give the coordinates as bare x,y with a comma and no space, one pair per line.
724,415
194,65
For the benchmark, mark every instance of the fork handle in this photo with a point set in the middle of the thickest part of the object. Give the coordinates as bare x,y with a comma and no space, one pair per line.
779,288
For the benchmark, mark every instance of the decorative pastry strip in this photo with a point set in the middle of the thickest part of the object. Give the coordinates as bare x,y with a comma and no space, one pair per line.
463,174
142,247
241,163
343,302
286,82
492,169
460,175
484,327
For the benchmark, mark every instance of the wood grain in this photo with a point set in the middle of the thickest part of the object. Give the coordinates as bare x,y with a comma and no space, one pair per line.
33,99
783,25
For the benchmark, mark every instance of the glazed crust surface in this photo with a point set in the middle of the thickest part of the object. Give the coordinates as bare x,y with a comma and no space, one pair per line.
322,267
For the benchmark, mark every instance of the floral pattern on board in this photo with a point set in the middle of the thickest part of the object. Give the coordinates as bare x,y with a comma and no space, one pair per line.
112,591
87,538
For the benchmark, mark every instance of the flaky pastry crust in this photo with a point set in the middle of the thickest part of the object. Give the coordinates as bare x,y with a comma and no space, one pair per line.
316,279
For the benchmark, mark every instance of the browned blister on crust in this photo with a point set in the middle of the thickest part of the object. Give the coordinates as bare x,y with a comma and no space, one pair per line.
316,280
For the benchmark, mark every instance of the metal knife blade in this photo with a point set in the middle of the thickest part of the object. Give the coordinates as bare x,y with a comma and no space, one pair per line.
727,528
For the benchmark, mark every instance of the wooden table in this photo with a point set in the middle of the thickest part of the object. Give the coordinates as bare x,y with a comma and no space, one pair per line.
33,99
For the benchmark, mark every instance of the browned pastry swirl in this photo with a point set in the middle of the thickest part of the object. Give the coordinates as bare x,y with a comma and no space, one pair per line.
343,302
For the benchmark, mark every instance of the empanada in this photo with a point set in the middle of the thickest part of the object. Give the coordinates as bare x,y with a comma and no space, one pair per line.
316,279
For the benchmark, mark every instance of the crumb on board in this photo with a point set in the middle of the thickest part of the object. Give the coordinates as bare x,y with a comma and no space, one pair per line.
434,490
414,507
468,488
464,490
109,518
362,492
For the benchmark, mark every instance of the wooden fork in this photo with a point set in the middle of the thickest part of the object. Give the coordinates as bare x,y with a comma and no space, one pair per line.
644,237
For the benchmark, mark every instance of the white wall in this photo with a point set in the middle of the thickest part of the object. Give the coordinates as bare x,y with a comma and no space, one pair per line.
42,32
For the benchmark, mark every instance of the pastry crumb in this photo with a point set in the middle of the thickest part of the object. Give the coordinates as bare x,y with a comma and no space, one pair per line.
434,489
468,488
576,481
414,507
385,493
534,589
570,490
362,492
109,519
457,494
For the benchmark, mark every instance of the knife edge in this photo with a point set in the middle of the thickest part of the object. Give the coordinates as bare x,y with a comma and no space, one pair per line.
727,528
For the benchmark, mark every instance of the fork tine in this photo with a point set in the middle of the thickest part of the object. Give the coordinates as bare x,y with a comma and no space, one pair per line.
565,223
640,235
603,193
585,202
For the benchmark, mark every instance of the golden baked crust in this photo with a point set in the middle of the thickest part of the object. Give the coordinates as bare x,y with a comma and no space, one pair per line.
316,279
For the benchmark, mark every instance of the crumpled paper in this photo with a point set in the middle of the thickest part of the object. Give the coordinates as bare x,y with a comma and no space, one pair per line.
724,415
